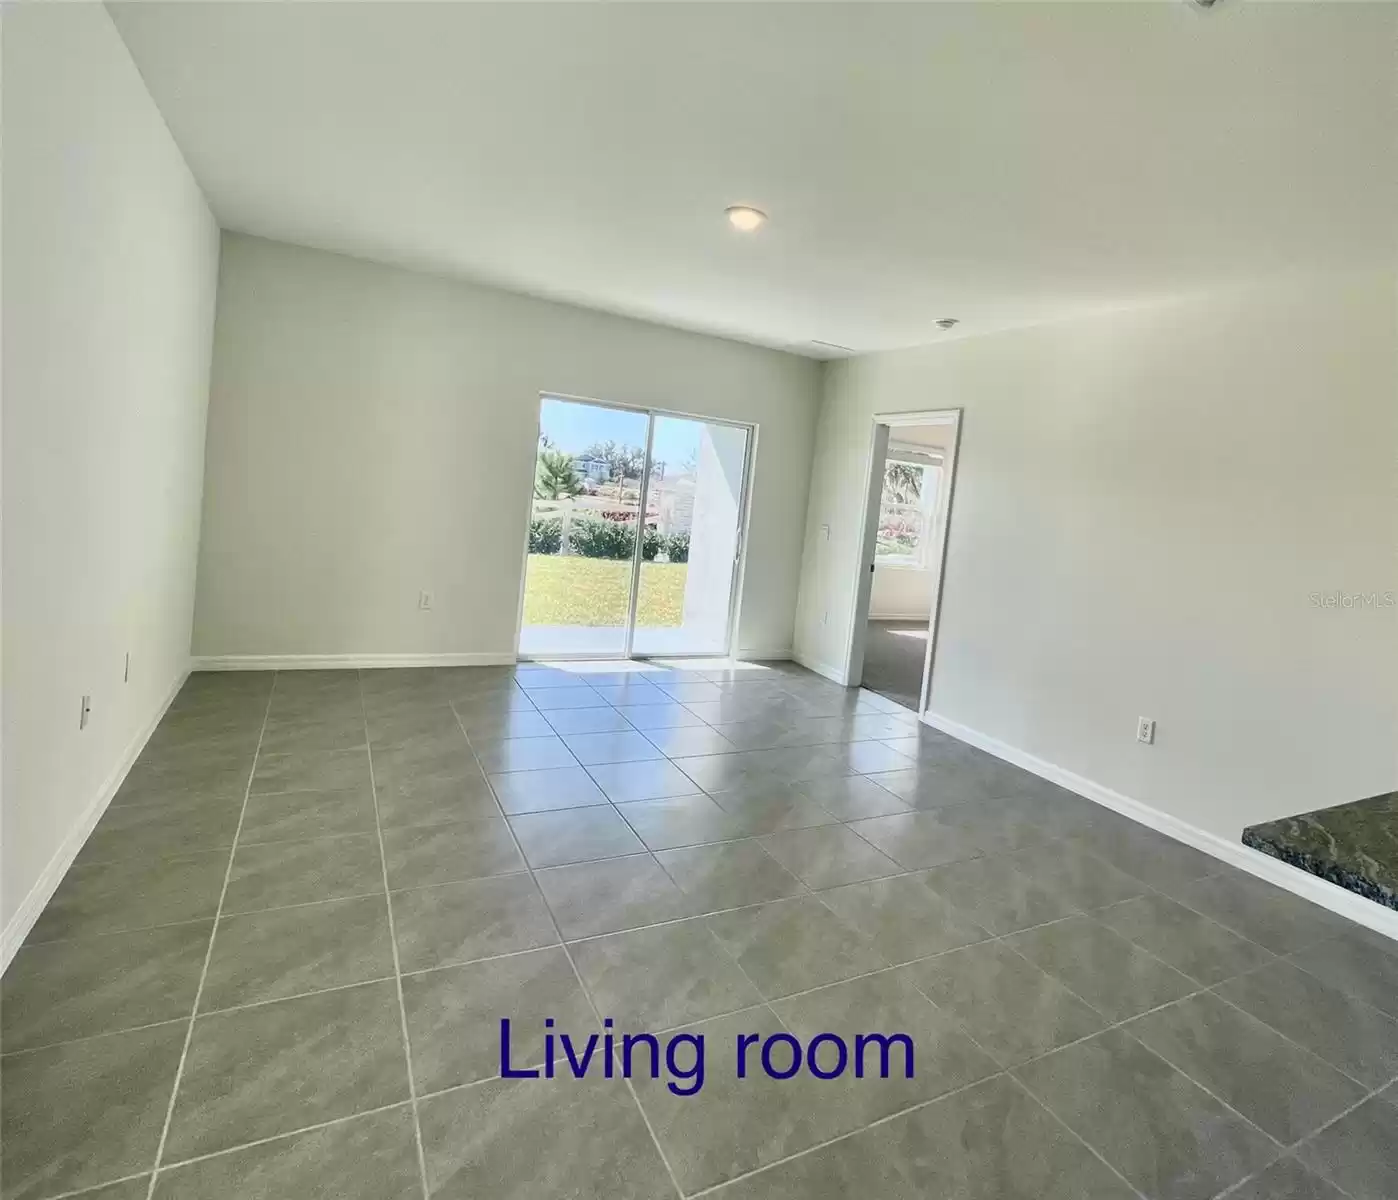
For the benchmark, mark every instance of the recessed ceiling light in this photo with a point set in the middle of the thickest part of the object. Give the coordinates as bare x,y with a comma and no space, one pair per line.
947,322
740,216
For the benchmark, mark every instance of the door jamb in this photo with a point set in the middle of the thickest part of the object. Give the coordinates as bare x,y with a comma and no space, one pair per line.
639,544
854,650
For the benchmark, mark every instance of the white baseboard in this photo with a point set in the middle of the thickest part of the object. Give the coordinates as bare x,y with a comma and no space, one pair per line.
825,670
894,616
1310,887
19,925
345,662
355,662
760,655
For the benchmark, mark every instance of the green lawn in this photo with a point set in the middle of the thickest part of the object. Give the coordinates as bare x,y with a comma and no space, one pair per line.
571,590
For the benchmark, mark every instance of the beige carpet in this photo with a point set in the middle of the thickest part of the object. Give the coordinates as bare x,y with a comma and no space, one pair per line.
893,656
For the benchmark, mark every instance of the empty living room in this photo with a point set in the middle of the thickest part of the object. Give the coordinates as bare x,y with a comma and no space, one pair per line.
764,600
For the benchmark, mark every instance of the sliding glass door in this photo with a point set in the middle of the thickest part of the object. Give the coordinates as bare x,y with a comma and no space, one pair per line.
635,534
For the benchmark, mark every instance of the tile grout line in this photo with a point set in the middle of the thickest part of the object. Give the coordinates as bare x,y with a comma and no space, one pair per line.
1289,1148
587,994
393,943
1290,961
1015,1081
92,1037
1233,1188
843,1137
94,1188
1276,1142
1121,1025
261,1141
243,912
1290,1152
208,954
1295,1045
1087,1037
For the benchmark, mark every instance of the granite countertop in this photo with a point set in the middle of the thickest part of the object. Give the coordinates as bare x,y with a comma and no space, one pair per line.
1354,845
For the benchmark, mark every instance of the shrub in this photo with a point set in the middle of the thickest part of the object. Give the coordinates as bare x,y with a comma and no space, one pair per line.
602,539
678,547
545,535
652,544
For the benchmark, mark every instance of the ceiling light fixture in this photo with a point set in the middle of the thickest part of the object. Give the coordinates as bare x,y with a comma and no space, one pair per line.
947,322
746,219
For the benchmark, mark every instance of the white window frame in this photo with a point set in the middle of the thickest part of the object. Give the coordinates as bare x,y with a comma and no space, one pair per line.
913,457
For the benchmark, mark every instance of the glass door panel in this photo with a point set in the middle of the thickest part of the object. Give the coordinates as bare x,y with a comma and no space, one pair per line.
580,572
693,523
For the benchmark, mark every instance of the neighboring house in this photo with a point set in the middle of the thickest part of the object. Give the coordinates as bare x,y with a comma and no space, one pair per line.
596,469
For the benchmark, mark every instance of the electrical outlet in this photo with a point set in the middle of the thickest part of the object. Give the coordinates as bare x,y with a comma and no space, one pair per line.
424,600
85,713
1145,730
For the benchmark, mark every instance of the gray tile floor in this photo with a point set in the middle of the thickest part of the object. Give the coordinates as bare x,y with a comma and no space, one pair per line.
278,966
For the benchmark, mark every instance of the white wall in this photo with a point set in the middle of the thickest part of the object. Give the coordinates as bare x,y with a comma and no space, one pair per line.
372,434
901,594
109,265
1144,504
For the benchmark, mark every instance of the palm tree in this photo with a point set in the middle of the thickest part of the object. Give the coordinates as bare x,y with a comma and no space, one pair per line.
904,480
554,477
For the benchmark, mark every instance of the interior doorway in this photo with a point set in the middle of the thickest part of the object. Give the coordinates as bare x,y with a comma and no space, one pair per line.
635,535
912,469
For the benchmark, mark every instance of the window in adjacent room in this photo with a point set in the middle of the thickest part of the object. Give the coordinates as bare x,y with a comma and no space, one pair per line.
906,510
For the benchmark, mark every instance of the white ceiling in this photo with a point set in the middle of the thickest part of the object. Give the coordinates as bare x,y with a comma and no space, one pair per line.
1005,164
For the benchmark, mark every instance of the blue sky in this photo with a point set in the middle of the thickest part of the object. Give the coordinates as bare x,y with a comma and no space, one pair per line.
573,427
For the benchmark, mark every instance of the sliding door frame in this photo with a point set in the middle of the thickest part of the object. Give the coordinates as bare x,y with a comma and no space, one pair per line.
638,549
739,559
